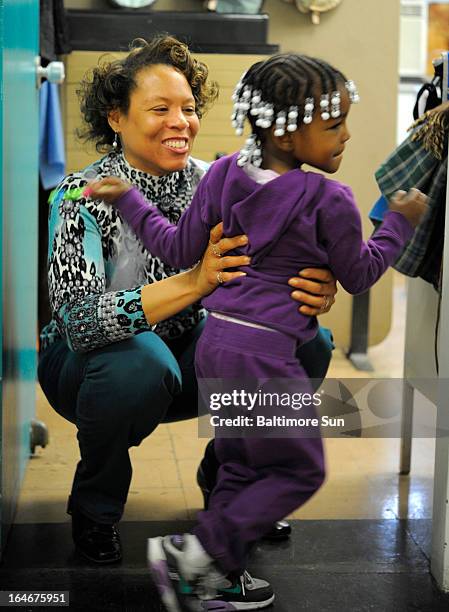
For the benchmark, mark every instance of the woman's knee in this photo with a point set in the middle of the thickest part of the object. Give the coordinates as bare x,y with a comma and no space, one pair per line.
135,368
127,387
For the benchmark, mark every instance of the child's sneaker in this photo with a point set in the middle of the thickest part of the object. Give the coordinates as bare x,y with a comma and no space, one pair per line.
187,579
243,593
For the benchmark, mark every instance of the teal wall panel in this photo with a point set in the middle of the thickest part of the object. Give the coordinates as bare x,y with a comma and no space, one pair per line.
19,202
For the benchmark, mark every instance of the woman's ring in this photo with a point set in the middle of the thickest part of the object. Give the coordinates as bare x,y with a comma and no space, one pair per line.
219,278
215,249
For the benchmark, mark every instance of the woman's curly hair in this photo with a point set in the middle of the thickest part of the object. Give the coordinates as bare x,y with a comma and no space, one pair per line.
109,85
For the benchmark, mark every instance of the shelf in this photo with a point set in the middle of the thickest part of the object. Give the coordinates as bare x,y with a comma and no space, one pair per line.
113,30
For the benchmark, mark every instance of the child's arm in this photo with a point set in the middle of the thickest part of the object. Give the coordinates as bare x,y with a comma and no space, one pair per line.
356,264
179,246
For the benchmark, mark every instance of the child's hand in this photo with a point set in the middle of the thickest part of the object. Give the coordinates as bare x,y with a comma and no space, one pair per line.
413,205
108,189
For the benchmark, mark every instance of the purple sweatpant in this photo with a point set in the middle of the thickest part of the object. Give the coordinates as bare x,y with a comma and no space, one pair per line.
260,480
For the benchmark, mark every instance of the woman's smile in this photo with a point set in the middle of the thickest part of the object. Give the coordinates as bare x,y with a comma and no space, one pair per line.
177,145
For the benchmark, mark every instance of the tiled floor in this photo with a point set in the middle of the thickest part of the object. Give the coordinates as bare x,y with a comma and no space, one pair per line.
362,483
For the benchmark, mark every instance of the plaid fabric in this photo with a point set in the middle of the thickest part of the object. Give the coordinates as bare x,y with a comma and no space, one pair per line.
412,165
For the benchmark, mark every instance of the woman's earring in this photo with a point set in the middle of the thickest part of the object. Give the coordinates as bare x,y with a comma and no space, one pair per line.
115,142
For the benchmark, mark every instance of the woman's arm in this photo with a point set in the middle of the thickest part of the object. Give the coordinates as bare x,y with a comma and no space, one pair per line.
88,317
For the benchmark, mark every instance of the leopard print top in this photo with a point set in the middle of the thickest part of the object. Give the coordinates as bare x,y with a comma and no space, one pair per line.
97,266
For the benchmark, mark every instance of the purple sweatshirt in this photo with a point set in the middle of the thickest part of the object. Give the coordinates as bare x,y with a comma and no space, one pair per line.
298,220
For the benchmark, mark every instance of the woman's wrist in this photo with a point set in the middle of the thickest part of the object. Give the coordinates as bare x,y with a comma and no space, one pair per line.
169,296
192,278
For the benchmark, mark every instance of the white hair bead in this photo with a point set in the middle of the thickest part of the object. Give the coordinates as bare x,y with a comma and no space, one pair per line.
324,104
251,152
353,93
309,106
335,104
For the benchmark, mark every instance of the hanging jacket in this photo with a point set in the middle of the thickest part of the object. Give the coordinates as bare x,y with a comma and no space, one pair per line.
421,162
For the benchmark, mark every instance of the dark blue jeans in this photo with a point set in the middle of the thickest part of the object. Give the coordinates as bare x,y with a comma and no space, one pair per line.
117,395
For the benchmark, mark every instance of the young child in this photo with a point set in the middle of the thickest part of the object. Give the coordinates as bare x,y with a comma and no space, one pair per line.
297,107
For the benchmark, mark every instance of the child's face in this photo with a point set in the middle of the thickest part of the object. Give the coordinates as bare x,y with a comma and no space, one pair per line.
321,143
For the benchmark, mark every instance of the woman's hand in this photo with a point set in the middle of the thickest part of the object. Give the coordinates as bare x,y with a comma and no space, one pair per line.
166,297
108,189
316,289
209,273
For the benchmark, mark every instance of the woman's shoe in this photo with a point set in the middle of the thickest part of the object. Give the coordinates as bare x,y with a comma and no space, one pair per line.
96,542
206,478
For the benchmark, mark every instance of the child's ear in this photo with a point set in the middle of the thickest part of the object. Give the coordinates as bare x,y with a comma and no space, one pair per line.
285,142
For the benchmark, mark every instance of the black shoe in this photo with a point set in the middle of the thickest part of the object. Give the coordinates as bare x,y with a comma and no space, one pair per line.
96,542
206,477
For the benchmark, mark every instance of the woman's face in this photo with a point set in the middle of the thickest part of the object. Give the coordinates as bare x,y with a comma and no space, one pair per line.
158,131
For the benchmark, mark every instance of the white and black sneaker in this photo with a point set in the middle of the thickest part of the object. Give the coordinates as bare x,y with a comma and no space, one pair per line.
243,593
188,580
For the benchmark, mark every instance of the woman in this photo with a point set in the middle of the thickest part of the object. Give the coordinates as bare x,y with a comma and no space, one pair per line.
101,367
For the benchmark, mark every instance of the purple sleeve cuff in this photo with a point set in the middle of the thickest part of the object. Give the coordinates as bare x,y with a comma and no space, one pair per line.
397,223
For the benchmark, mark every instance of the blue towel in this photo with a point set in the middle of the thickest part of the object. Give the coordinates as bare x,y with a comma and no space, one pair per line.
378,210
51,138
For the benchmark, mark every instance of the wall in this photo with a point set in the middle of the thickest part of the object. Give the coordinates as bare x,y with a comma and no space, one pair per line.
360,37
